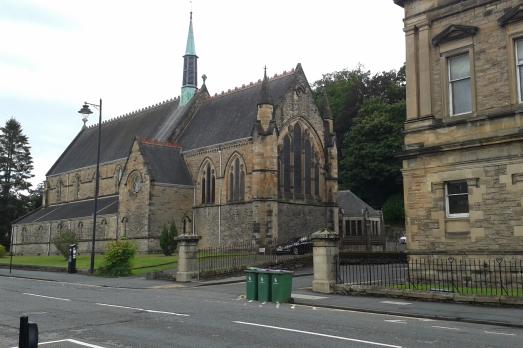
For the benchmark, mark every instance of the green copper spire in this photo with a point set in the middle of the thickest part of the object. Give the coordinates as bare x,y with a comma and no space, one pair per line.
190,48
190,68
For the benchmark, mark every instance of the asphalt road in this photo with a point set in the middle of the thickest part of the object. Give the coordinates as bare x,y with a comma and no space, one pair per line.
214,316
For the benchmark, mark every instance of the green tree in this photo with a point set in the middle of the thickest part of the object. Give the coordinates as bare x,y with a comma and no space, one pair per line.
371,168
16,165
168,241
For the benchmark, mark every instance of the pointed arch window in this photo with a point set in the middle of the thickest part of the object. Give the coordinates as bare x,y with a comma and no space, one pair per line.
236,181
308,167
118,173
59,186
299,165
77,186
287,165
208,185
297,142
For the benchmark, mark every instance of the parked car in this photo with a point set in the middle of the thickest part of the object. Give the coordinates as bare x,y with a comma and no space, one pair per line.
403,240
296,246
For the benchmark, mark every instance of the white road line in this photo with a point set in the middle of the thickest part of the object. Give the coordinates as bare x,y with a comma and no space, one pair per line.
397,321
49,297
143,310
307,297
499,333
71,341
317,334
445,327
396,303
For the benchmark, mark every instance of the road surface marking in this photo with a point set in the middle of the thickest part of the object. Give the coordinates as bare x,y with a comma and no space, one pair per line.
49,297
445,327
307,297
499,333
317,334
397,321
143,310
70,341
396,303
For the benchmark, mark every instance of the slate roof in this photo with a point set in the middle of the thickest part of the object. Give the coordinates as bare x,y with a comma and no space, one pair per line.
166,164
231,116
352,205
117,137
106,205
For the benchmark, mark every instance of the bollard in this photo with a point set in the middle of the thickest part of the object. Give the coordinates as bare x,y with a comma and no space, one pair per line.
28,336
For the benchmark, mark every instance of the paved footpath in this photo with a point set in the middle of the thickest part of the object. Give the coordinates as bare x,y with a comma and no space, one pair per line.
302,294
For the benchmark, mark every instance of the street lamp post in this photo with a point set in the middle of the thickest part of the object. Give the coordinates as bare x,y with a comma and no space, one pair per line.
365,213
86,112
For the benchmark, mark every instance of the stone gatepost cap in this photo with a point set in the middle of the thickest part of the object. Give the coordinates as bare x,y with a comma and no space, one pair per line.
188,237
324,234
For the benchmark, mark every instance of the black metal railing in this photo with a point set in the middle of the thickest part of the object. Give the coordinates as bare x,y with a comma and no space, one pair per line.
236,257
492,277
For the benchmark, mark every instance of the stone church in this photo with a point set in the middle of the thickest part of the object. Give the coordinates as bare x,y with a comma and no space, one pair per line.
463,158
255,164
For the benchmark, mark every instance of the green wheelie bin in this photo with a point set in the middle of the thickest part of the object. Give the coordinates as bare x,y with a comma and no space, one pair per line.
264,285
281,286
251,283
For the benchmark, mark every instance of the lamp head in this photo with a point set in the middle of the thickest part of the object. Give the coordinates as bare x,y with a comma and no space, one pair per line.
86,112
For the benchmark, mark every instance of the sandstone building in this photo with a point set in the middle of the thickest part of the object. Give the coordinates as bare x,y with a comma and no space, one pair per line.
255,164
463,158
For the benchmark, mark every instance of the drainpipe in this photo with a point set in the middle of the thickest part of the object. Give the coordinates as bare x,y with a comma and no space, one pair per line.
194,205
220,204
49,241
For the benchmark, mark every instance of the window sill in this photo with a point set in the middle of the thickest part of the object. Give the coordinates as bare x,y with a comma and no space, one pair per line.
455,218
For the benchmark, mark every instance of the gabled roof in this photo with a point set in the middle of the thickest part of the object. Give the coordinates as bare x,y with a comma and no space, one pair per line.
454,32
117,136
71,210
165,163
514,14
232,116
353,205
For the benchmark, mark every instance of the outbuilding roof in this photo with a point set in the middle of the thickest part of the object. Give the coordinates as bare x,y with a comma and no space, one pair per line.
353,205
72,210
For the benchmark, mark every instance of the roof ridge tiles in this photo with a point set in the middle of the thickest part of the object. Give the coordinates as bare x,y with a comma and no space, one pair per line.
251,84
134,112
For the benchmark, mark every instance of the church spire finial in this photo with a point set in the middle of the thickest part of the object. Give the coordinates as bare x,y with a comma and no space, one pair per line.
265,94
190,67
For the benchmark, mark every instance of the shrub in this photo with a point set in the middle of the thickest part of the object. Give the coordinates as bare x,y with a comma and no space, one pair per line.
2,250
168,241
394,211
117,259
62,242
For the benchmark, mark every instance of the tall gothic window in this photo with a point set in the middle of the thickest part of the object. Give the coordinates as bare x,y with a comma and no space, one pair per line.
236,181
299,165
208,185
297,161
59,185
117,177
77,186
308,167
287,165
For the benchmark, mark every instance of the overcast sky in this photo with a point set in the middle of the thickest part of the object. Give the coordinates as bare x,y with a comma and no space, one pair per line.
56,54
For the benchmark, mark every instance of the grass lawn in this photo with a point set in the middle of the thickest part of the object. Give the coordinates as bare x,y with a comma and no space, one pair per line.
141,264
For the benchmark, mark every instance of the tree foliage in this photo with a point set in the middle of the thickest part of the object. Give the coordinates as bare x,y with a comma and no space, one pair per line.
368,113
168,241
117,260
16,165
63,241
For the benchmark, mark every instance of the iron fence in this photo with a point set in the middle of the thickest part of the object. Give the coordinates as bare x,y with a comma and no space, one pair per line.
236,257
492,277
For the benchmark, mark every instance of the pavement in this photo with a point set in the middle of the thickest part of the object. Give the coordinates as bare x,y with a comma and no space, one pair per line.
302,294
